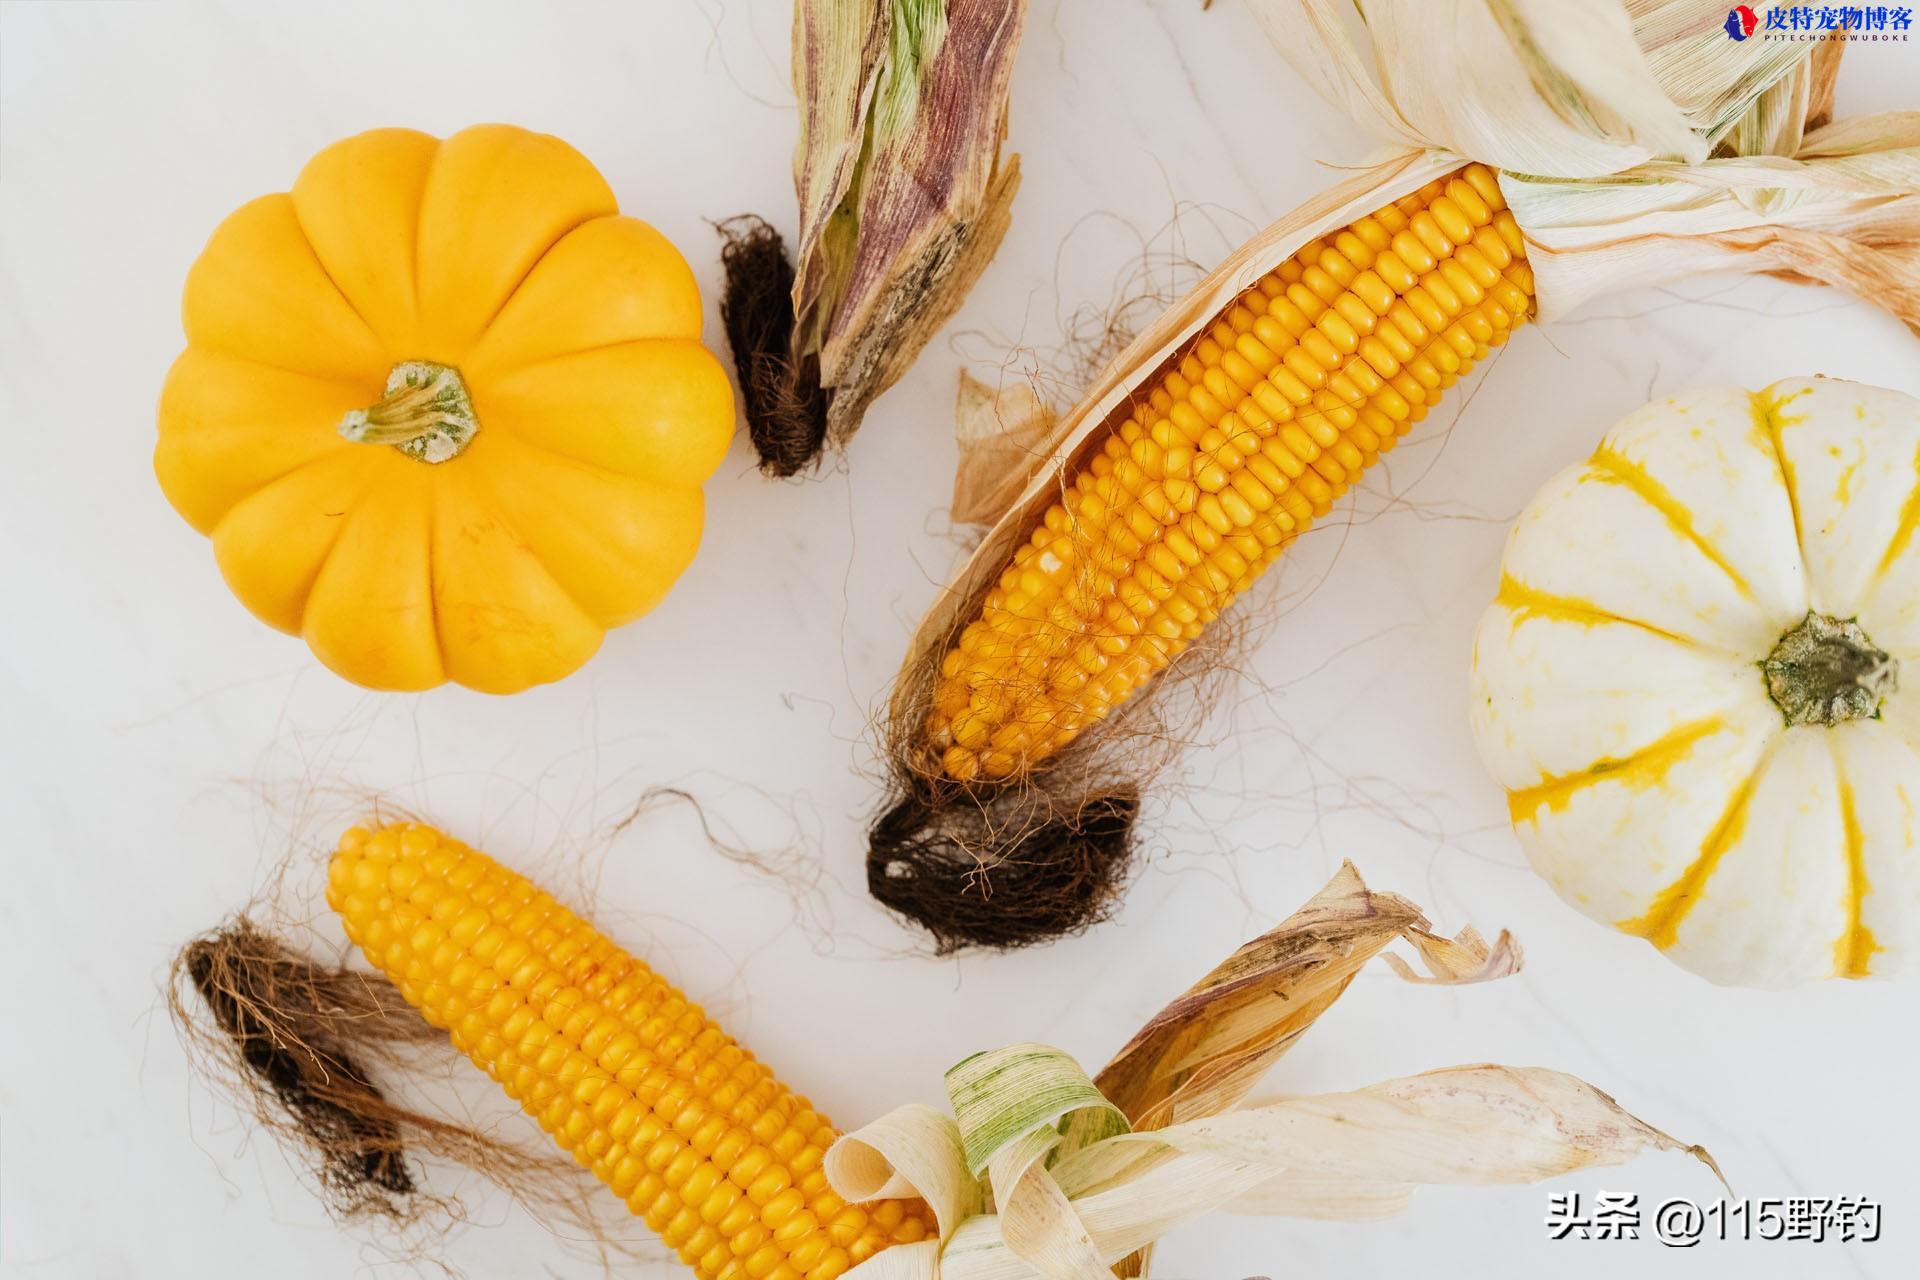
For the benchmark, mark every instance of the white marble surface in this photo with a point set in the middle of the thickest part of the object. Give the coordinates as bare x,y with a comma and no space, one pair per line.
160,747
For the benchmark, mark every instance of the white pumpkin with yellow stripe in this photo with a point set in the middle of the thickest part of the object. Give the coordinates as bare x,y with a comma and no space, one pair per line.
1700,682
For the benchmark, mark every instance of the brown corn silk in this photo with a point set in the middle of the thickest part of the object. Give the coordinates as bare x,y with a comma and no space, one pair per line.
310,1079
1634,145
303,1046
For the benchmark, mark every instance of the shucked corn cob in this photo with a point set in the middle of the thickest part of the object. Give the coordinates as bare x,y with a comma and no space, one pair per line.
721,1159
1266,419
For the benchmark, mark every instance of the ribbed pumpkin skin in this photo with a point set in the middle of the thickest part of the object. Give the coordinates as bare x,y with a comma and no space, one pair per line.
1619,694
497,252
1267,418
634,1081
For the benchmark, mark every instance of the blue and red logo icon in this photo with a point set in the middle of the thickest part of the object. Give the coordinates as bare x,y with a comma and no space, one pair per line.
1741,21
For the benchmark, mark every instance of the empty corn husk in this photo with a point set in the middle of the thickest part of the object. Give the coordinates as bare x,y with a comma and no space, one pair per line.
1539,152
1084,1174
903,200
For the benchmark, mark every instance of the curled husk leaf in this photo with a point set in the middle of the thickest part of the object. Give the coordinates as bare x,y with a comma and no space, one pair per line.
1004,432
1201,1054
1083,1174
1636,145
904,198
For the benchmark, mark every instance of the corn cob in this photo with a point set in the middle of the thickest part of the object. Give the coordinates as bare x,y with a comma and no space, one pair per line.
1263,422
635,1082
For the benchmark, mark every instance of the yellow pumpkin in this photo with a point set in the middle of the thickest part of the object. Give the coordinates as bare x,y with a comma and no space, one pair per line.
1700,681
444,412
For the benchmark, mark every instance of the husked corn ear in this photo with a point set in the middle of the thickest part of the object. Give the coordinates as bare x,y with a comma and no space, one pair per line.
636,1083
1265,420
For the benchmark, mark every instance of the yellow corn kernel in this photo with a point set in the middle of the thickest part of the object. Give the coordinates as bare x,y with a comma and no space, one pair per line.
632,1080
1263,423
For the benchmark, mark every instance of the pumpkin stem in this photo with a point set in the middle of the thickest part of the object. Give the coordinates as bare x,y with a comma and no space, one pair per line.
426,414
1826,671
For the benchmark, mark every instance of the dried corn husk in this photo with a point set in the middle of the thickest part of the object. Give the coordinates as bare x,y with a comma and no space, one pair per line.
1844,211
1006,431
1080,1173
903,200
1636,144
1202,1053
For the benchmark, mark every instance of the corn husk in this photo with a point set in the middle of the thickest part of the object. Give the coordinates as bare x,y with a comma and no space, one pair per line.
1007,431
1201,1054
1754,88
1538,86
904,198
1044,1172
1553,88
1844,211
1651,147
